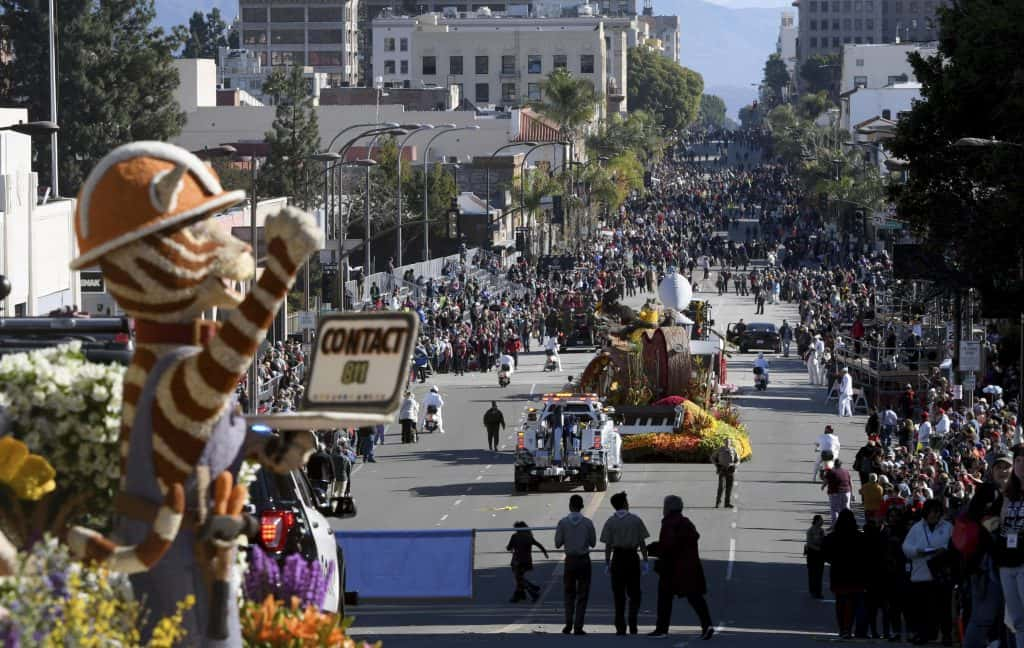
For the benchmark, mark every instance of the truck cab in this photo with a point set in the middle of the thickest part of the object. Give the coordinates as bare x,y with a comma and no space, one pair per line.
568,439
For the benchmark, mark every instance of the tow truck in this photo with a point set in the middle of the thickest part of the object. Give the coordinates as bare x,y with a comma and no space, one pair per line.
591,457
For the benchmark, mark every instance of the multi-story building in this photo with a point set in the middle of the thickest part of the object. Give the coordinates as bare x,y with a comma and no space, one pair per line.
879,65
666,30
785,46
825,26
321,34
499,61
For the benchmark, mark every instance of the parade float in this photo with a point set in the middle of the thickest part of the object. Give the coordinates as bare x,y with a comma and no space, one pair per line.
650,363
123,490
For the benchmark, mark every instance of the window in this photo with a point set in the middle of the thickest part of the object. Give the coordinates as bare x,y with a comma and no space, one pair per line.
870,40
814,25
533,65
847,39
847,24
858,5
325,14
454,65
389,44
860,62
899,78
869,24
287,58
325,36
913,6
858,24
287,14
533,91
325,58
482,64
430,65
886,114
846,5
389,67
403,44
586,64
835,41
835,25
483,92
814,42
858,40
508,64
508,92
824,5
813,5
869,5
860,82
404,67
824,25
288,36
254,14
254,38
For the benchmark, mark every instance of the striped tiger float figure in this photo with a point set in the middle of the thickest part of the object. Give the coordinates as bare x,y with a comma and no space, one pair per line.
144,217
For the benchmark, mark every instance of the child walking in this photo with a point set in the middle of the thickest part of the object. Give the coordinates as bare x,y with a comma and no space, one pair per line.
521,545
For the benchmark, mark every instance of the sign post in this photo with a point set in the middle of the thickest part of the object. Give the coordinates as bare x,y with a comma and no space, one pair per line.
970,355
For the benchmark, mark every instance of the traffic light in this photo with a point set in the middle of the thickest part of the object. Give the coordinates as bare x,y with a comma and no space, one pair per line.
454,206
557,213
453,223
520,241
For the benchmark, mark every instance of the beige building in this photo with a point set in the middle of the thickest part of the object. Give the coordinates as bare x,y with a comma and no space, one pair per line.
498,62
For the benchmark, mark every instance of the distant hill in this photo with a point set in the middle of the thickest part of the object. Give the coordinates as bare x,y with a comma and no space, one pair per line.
727,46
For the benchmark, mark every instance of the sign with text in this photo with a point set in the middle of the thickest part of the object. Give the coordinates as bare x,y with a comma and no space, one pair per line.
970,355
361,361
91,281
307,320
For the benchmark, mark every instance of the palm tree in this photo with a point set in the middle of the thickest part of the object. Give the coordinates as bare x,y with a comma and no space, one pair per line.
568,101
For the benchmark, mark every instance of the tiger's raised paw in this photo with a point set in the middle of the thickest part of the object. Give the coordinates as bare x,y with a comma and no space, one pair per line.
298,230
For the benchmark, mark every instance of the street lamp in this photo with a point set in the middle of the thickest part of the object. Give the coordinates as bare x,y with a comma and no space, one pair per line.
33,128
398,197
522,170
487,172
448,128
364,163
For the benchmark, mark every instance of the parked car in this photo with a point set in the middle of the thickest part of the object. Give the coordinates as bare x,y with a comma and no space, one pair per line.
755,335
104,339
292,520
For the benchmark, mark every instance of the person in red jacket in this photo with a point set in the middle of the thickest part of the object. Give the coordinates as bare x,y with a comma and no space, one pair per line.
680,572
512,347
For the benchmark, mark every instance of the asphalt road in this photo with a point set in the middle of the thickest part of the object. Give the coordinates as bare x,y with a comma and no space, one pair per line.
752,554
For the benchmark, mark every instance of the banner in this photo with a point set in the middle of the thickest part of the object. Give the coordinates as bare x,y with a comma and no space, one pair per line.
408,564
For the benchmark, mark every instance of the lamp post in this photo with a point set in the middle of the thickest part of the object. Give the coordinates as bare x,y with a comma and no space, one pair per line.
487,171
522,172
369,158
398,196
448,128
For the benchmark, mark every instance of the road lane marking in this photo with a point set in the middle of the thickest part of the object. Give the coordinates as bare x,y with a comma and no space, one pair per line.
479,477
444,517
532,387
488,466
457,502
732,559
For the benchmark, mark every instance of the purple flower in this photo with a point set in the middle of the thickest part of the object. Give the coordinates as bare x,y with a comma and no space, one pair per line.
58,583
10,637
263,578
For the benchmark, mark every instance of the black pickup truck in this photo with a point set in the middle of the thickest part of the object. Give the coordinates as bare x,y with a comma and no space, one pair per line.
104,339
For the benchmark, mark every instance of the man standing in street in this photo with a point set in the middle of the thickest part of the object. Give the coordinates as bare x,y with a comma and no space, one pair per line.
840,489
725,460
680,572
845,393
786,336
493,420
577,534
623,535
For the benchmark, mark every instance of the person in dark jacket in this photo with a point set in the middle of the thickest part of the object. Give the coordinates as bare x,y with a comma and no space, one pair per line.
844,551
980,572
521,545
897,580
814,551
680,572
494,421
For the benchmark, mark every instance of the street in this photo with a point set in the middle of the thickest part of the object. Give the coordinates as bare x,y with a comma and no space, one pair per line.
752,554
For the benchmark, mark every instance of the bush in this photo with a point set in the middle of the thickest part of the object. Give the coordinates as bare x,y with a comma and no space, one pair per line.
684,448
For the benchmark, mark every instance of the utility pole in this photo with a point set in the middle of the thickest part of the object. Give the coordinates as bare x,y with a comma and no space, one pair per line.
54,184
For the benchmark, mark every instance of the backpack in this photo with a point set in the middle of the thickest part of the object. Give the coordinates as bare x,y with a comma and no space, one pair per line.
966,536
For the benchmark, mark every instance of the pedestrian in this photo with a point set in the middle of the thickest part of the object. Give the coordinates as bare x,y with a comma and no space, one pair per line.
408,414
982,575
814,552
1010,547
845,393
786,336
378,434
680,572
827,449
364,443
844,551
871,494
926,546
888,422
725,460
521,545
494,421
840,489
623,535
575,532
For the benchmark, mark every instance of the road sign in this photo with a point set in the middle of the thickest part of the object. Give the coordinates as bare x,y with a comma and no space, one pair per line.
91,281
307,320
361,362
970,355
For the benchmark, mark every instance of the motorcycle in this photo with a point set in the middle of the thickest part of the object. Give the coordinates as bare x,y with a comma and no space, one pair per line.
760,379
551,364
826,462
430,420
503,376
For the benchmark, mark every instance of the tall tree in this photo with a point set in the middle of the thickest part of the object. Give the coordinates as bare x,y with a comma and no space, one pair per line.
819,72
568,101
203,35
966,203
776,76
295,138
712,111
115,81
663,88
637,132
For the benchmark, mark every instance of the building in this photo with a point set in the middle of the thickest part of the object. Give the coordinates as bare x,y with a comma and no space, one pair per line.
864,104
201,81
825,26
785,46
879,65
37,241
665,29
499,61
323,35
409,98
237,97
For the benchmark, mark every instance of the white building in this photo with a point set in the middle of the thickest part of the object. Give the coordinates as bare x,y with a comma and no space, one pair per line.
879,65
499,61
785,47
889,103
664,29
37,242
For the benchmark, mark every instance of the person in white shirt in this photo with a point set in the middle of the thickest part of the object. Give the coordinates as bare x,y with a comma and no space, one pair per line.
939,431
929,539
827,449
845,393
924,432
433,398
815,361
551,350
508,363
888,421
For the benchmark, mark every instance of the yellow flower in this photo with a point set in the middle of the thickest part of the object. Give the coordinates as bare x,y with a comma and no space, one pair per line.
28,475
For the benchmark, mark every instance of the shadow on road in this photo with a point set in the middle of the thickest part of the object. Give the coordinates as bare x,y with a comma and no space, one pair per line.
459,457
